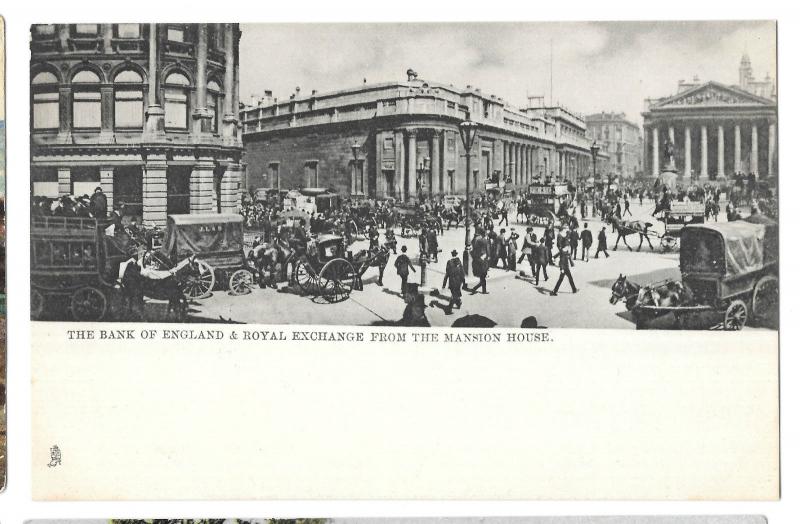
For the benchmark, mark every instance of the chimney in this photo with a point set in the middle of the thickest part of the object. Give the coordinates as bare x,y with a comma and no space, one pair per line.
268,93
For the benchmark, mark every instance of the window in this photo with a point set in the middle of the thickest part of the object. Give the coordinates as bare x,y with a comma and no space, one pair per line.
44,31
176,34
128,100
85,29
274,172
128,31
86,112
45,101
451,144
176,101
312,173
214,104
388,143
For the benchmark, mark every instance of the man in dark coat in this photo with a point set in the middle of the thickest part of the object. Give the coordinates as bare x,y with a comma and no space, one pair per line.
414,312
564,264
601,243
501,249
480,262
586,242
454,276
98,203
541,257
402,263
549,236
511,250
574,238
432,243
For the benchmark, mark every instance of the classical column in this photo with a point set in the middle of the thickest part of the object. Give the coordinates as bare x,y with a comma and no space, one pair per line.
380,180
201,187
436,163
506,174
155,113
107,184
201,113
154,191
687,152
754,148
399,167
524,162
412,164
704,151
229,189
720,152
737,148
64,181
771,150
229,120
656,171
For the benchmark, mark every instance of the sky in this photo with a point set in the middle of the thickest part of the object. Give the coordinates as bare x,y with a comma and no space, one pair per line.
597,66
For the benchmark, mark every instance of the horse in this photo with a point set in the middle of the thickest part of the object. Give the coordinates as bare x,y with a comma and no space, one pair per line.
631,227
160,285
367,258
451,215
267,256
624,289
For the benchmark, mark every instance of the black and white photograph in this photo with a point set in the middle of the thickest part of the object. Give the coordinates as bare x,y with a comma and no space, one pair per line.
565,175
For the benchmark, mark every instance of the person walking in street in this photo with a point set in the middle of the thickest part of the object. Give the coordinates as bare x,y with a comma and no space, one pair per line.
511,250
586,242
432,245
491,251
528,243
627,207
402,264
564,264
601,243
455,276
480,262
501,249
574,240
98,204
540,259
503,215
549,236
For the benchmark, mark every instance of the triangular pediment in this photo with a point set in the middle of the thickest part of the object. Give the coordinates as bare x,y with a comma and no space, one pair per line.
713,94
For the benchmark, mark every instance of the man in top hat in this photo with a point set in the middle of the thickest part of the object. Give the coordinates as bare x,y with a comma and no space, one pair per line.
564,264
454,276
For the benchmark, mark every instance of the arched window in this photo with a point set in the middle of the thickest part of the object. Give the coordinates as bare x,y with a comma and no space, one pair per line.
176,101
86,111
214,104
44,87
128,100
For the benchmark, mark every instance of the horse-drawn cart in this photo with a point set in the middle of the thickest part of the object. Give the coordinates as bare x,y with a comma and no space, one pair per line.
678,216
728,270
217,242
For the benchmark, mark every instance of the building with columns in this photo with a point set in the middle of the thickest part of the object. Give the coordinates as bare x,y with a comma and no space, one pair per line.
621,139
716,131
400,139
148,112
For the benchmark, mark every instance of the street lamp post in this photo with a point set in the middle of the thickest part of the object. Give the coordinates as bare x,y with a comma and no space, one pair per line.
468,130
356,148
594,150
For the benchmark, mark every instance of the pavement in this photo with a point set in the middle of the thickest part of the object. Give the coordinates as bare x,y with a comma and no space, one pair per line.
512,296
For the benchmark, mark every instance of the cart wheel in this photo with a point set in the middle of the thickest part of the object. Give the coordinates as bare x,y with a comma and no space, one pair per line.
88,304
337,280
241,282
735,316
668,242
304,275
765,298
200,284
37,304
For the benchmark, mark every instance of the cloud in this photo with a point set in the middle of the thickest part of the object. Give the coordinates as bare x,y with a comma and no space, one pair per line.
611,66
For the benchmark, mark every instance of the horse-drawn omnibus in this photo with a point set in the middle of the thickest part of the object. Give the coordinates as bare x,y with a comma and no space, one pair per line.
678,216
544,201
312,200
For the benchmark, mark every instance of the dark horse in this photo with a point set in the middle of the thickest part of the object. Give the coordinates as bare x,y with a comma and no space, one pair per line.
167,286
367,258
267,257
631,227
624,289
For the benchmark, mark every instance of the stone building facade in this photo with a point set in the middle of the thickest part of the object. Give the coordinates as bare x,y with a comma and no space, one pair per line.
621,139
716,130
401,140
148,112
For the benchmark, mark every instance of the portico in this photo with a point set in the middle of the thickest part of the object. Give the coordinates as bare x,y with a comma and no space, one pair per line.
722,131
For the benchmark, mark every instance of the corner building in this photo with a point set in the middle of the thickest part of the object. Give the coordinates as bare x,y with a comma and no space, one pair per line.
401,140
148,112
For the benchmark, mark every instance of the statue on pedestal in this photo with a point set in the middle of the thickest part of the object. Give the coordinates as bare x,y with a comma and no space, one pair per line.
669,155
